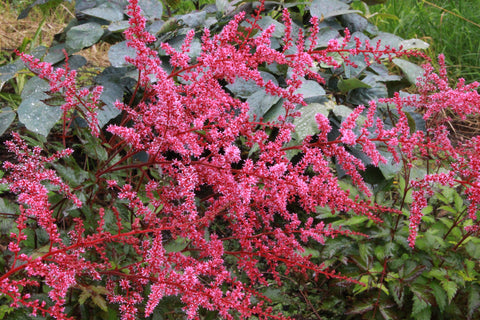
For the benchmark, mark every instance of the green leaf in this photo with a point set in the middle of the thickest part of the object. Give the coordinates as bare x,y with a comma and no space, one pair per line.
7,115
458,201
361,307
84,296
450,287
244,88
419,305
306,125
439,294
309,251
273,294
411,70
106,11
5,310
387,39
260,102
194,19
267,21
94,149
83,36
396,290
118,26
32,112
37,116
176,245
99,301
365,251
74,176
118,52
41,3
111,93
346,85
330,8
473,248
310,89
473,300
9,71
391,168
151,9
414,44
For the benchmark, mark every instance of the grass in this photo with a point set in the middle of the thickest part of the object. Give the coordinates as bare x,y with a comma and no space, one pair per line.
14,32
39,28
449,26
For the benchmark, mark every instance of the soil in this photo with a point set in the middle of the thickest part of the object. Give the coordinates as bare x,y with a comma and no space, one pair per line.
13,32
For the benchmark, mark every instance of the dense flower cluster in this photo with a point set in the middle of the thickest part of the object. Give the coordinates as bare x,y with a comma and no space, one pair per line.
190,127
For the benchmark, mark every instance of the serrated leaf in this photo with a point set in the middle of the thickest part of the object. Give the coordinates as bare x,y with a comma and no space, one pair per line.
439,294
411,70
273,294
458,202
473,249
170,25
84,296
419,305
450,287
100,302
74,176
361,307
95,151
106,11
397,291
365,251
309,251
473,300
83,36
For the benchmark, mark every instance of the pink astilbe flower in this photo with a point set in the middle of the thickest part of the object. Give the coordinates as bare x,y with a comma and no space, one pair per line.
64,81
435,99
199,200
26,179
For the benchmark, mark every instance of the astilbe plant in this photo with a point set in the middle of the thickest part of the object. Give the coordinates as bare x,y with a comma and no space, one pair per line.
244,219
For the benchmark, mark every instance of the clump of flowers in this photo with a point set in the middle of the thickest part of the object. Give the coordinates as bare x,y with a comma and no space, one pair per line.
231,212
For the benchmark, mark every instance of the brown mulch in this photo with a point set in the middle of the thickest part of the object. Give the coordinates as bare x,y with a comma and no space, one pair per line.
13,32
